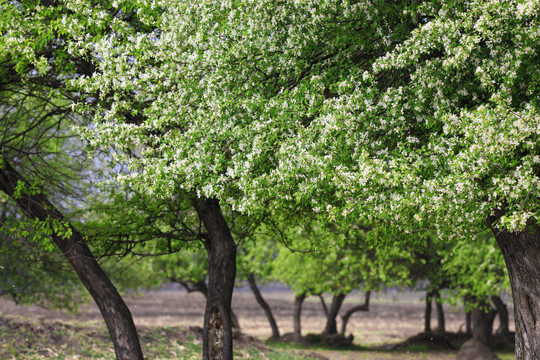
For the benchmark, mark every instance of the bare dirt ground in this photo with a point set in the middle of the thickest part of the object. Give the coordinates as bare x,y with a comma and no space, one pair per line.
393,316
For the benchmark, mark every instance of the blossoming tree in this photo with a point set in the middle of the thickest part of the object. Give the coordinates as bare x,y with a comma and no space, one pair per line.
200,104
442,133
414,114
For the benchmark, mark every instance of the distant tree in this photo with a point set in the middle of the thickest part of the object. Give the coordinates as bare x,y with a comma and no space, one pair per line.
316,260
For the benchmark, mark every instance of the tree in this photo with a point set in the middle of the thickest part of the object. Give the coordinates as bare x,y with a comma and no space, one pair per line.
115,312
256,264
478,274
316,261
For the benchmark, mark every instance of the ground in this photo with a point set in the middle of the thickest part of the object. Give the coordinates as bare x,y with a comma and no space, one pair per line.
393,317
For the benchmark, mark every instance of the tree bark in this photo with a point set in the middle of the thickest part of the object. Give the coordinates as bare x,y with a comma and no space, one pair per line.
221,249
190,286
364,307
111,305
264,305
521,252
298,301
331,325
434,294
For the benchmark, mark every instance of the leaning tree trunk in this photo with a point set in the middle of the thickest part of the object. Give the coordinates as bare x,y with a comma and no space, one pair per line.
323,304
111,305
521,252
331,326
480,346
345,318
298,301
264,305
221,249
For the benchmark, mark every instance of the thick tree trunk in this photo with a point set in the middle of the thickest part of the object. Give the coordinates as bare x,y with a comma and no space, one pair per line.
345,318
111,305
441,327
502,311
427,312
264,305
480,346
521,252
335,306
221,249
298,301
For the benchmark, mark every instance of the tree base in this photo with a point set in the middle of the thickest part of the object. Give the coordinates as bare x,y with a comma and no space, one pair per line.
475,350
331,340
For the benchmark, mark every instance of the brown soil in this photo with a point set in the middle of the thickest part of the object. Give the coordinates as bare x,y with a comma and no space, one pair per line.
393,316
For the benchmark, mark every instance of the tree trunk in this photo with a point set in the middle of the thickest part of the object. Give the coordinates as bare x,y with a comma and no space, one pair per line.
502,311
441,327
521,252
331,325
111,305
468,326
221,249
264,305
364,307
482,324
298,301
427,312
468,323
323,304
480,346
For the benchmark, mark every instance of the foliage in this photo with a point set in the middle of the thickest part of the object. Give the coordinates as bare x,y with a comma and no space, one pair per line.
439,132
31,271
208,96
478,271
407,117
422,114
316,259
